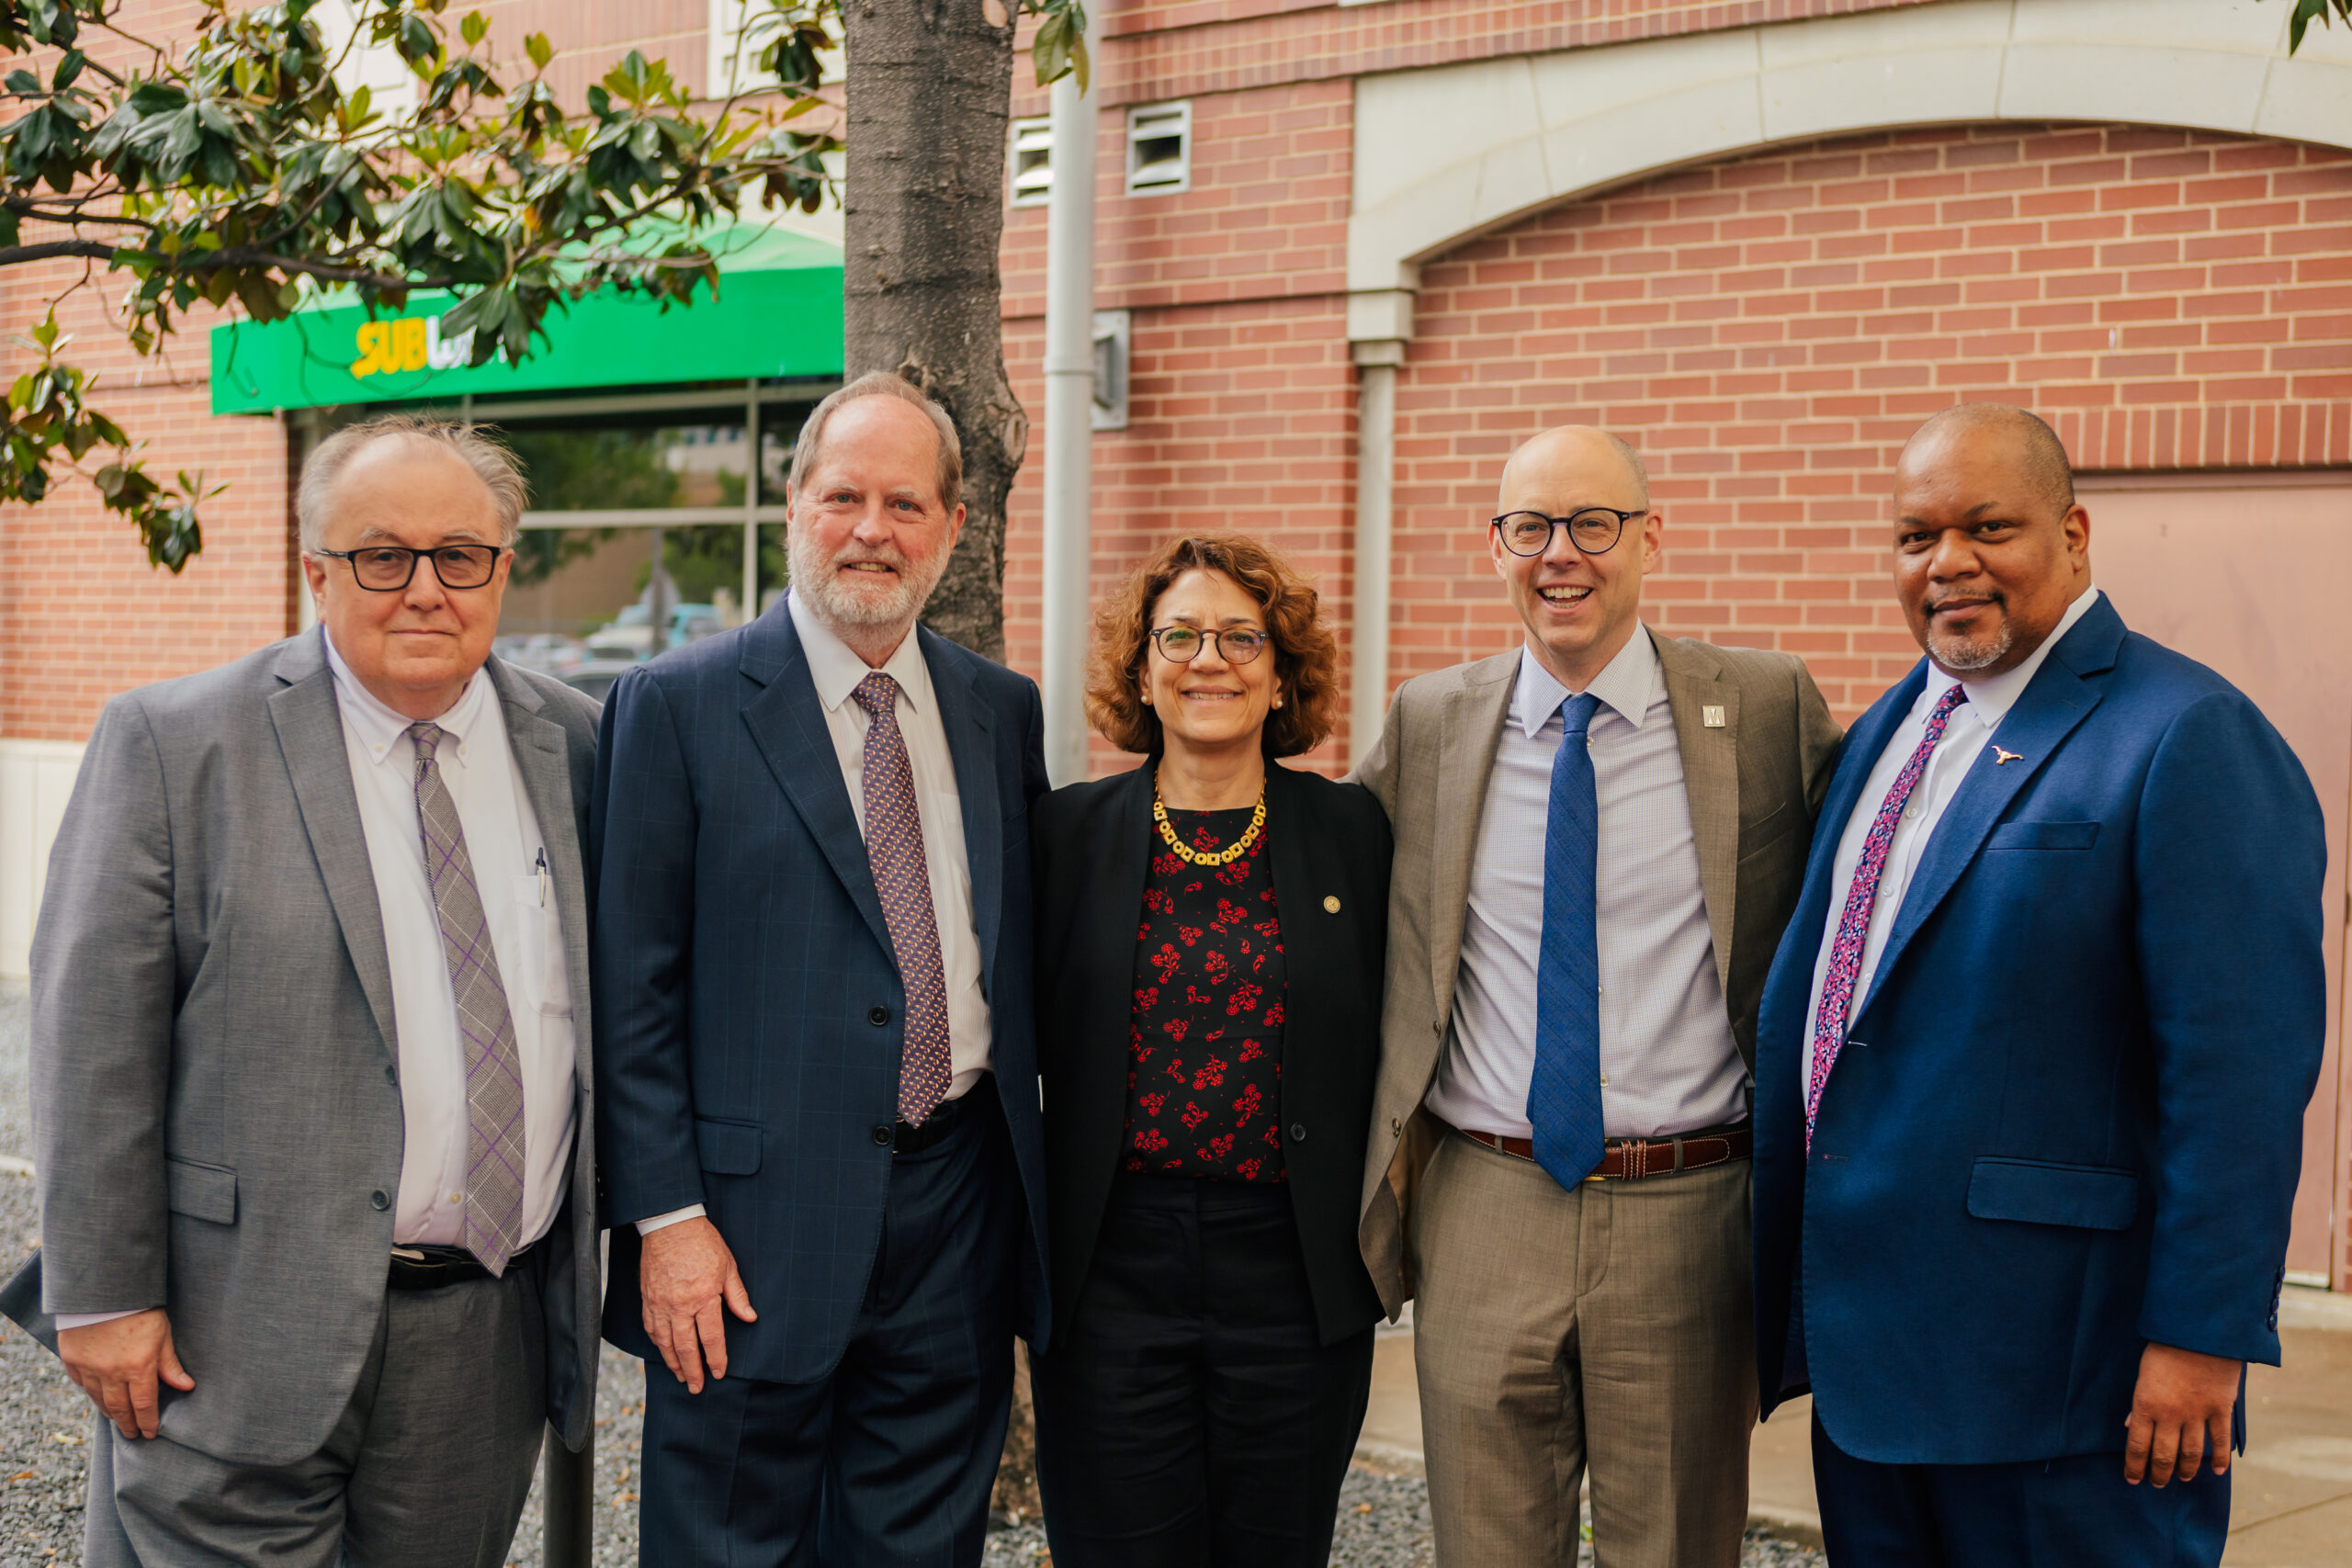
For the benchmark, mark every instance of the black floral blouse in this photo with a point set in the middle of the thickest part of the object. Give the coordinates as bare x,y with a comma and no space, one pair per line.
1205,1038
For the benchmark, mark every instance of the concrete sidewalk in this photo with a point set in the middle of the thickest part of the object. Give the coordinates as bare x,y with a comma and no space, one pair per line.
2291,1502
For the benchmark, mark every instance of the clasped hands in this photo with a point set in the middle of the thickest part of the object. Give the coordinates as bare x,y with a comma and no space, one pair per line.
685,1271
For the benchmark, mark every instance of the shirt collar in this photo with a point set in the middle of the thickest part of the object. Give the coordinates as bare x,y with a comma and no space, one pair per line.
1627,685
1994,696
836,669
378,726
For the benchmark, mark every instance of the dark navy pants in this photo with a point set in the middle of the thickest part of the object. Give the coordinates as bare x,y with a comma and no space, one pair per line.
888,1462
2075,1512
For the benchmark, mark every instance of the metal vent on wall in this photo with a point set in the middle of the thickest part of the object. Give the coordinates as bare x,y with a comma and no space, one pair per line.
1032,162
1159,149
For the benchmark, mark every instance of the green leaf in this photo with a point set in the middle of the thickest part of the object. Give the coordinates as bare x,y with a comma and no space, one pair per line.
474,27
539,50
69,69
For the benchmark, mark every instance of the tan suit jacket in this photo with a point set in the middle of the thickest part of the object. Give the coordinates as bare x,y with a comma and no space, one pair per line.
1756,781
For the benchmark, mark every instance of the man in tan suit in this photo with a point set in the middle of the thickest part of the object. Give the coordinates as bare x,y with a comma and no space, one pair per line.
1599,838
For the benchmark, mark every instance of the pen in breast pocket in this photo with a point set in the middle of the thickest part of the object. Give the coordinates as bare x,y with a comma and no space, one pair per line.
541,869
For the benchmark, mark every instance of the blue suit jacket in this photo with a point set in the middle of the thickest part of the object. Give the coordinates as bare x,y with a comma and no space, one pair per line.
2068,1118
741,959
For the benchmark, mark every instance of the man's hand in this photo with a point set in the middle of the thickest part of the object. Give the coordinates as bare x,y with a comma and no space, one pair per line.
2180,1415
117,1363
683,1273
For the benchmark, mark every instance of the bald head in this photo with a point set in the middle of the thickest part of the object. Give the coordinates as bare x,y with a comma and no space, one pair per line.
2023,439
1582,453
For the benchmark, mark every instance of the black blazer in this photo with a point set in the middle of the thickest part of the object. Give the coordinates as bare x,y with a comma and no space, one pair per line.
1092,843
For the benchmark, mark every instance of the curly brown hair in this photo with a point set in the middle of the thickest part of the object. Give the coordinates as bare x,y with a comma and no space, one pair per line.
1306,657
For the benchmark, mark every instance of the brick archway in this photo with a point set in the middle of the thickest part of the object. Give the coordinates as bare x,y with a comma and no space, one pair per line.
1769,328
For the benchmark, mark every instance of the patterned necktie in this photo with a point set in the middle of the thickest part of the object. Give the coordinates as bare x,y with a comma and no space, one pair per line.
1563,1093
493,1222
1861,898
902,879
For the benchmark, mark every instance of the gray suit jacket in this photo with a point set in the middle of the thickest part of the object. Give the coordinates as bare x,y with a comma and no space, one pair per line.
216,1118
1755,782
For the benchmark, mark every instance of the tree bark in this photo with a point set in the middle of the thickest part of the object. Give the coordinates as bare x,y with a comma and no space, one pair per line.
930,85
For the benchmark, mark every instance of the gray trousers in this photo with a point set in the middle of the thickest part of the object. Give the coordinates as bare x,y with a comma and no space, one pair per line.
1606,1327
428,1466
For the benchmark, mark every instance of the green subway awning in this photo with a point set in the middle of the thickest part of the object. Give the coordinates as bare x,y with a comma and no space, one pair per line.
778,313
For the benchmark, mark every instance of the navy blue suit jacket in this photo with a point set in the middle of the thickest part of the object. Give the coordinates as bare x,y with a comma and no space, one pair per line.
2068,1118
743,964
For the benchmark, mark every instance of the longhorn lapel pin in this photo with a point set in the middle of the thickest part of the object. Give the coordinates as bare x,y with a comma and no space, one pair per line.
2000,756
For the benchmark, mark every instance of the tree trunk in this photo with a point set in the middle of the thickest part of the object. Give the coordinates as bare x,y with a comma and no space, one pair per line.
930,88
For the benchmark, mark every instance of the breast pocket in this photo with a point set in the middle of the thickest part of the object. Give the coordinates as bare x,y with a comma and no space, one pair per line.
544,982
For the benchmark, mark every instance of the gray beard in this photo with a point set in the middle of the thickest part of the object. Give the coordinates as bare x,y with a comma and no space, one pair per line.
1959,657
813,579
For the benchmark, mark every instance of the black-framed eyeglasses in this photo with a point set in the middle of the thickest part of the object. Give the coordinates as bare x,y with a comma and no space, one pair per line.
1595,530
388,568
1235,644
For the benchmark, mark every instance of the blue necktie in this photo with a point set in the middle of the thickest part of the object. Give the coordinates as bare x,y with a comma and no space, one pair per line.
1564,1096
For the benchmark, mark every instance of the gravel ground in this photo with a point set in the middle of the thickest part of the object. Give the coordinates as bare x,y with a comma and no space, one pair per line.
44,1431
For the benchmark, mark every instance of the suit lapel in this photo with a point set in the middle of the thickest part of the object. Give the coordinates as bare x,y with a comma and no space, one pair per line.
1471,729
1709,780
787,725
542,761
1113,907
2057,700
965,719
309,739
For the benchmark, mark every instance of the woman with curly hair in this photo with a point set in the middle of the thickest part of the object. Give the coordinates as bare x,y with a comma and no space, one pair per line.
1211,932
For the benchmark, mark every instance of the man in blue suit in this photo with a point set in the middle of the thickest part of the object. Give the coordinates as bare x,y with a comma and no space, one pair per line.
816,1071
2032,1060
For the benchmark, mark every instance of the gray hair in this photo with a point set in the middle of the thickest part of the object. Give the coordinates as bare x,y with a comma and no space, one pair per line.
884,384
476,446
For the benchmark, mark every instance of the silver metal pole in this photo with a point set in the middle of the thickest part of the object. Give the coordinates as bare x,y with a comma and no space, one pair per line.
568,1491
1070,421
1376,468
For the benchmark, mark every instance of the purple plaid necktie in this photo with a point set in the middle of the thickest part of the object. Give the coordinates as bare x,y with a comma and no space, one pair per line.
1854,925
493,1222
902,879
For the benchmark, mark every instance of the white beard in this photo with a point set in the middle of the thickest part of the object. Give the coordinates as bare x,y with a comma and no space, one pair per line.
1959,656
816,579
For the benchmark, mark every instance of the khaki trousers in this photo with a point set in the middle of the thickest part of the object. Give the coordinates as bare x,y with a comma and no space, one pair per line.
1610,1326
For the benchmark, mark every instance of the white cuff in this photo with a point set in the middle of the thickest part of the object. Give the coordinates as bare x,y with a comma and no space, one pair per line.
691,1211
84,1319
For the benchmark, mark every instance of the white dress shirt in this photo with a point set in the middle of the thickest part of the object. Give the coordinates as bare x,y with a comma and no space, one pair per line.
1967,732
836,670
503,839
526,933
1668,1064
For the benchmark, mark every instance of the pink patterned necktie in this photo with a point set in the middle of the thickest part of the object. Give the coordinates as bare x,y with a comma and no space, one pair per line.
493,1219
902,880
1861,898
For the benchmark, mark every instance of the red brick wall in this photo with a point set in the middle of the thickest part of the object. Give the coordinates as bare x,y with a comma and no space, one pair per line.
1769,329
1241,405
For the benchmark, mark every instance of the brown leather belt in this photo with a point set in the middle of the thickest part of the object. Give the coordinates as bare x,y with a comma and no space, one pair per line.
1629,1159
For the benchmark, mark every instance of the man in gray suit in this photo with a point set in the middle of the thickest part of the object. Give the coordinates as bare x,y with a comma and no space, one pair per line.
1599,835
309,1058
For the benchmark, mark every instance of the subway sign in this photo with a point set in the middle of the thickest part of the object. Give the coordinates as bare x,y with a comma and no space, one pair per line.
778,314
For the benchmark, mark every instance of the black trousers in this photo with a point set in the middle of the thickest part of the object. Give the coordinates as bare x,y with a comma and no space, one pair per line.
887,1461
1189,1415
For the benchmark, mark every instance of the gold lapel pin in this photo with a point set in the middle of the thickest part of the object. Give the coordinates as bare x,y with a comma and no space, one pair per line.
1711,717
2000,756
1330,903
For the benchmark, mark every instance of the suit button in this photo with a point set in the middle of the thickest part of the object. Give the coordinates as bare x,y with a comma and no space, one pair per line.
1298,1131
380,1200
883,1134
1395,1124
877,1017
391,1075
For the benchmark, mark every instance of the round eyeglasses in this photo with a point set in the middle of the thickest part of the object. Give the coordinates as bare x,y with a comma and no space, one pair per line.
1591,529
387,569
1235,644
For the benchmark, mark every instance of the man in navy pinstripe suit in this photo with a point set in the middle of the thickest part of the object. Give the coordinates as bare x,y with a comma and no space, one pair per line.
816,1069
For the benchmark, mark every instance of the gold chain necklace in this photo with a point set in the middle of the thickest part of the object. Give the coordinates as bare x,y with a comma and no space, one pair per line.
1226,856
